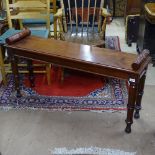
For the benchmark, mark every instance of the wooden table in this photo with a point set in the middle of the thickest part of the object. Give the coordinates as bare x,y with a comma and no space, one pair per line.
86,58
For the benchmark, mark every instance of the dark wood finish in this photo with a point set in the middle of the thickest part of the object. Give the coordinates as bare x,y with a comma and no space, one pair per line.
131,104
141,58
18,36
14,62
146,37
132,28
139,95
133,7
86,58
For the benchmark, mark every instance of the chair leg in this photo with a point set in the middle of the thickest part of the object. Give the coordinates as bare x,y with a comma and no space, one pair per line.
2,67
55,28
62,75
48,73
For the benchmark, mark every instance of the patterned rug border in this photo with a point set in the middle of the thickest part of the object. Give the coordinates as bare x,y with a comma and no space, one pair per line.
93,101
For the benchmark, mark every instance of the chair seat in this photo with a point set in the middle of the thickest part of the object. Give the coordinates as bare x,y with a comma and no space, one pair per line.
38,21
84,37
10,32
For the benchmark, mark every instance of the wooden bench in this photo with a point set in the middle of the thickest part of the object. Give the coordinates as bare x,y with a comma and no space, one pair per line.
86,58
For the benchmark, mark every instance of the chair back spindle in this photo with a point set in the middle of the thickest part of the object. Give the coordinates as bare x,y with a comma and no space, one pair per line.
94,15
88,15
83,15
82,21
100,16
70,16
76,16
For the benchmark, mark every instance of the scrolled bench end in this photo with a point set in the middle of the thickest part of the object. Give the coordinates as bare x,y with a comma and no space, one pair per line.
18,36
140,59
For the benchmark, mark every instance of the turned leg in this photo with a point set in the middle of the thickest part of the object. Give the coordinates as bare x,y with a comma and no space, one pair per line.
62,75
48,73
31,73
139,96
131,104
14,65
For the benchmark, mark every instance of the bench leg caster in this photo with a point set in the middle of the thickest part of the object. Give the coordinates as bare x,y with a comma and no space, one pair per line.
129,42
128,128
137,115
139,96
137,49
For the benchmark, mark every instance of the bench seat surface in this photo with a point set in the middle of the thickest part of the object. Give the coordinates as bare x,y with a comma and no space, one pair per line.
77,52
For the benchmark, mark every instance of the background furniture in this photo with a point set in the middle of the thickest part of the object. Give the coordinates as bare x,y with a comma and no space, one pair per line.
0,5
25,10
132,13
132,28
146,35
132,7
117,7
120,8
110,5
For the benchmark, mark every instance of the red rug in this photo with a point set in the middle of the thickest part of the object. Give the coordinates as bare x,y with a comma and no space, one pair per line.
75,83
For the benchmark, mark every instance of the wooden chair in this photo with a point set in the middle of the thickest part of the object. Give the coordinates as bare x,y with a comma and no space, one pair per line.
19,10
41,22
82,21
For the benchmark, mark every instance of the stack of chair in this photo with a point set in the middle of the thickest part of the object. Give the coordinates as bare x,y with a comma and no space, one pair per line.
42,22
18,11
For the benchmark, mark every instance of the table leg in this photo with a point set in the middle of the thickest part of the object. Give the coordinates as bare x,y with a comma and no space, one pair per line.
131,104
14,65
139,96
31,73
